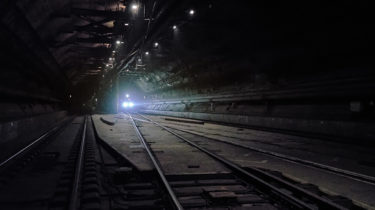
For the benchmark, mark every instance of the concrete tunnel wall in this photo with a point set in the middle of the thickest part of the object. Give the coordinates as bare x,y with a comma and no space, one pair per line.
337,121
16,134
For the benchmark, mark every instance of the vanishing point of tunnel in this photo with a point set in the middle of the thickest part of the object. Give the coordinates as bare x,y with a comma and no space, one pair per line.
187,104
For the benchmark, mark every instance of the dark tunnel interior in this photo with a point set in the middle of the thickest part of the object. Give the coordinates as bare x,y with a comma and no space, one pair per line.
290,79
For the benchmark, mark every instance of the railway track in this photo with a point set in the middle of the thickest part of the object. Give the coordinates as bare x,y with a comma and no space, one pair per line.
47,173
273,192
341,172
70,168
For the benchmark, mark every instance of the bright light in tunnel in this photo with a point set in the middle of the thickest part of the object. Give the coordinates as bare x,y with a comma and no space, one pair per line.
127,104
191,12
134,7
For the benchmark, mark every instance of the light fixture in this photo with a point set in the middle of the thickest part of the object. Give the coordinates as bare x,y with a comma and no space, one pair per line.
134,7
127,95
110,59
131,104
156,44
174,27
126,24
125,104
146,53
106,65
118,42
191,12
113,51
70,95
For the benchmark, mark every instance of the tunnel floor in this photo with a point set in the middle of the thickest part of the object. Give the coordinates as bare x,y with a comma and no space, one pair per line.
117,162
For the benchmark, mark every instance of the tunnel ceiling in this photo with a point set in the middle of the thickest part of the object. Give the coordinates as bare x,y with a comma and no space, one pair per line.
50,49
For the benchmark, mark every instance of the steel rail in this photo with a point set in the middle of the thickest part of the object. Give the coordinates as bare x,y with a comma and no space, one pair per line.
338,171
73,201
39,139
341,172
171,194
324,203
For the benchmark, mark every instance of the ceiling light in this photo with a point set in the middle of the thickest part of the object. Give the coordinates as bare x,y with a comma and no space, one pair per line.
146,53
174,27
127,95
113,51
106,65
126,24
134,6
118,42
191,12
156,44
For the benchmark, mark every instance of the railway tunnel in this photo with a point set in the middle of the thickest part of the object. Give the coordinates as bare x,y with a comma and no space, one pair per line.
188,104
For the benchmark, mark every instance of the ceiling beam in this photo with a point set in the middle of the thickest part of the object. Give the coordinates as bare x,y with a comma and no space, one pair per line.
98,13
